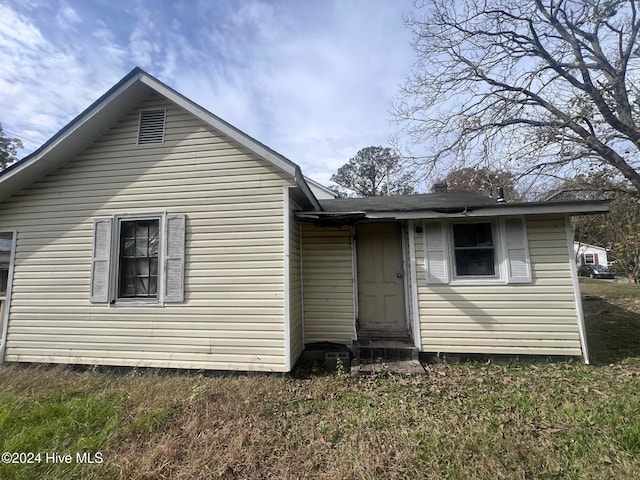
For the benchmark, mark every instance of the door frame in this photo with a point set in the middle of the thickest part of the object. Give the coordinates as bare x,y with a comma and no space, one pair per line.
4,318
406,272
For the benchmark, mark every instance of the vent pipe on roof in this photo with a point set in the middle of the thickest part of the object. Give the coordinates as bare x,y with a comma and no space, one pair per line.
500,195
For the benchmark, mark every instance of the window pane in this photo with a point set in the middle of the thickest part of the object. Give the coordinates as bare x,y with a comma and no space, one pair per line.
153,286
142,229
141,247
472,235
128,229
139,258
142,267
475,262
153,246
4,278
142,286
129,247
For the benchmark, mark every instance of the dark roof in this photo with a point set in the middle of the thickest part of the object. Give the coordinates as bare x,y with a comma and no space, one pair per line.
446,201
346,211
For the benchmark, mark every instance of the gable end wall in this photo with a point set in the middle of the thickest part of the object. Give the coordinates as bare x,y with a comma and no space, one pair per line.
232,316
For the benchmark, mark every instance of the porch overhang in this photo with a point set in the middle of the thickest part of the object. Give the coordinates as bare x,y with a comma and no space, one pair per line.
578,207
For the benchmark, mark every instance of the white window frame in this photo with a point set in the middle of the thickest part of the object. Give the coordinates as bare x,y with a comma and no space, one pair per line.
586,259
4,294
116,300
500,276
6,298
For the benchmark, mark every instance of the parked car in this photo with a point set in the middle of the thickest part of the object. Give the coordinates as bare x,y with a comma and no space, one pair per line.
594,271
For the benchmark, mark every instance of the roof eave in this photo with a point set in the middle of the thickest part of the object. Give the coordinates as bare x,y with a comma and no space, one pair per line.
581,207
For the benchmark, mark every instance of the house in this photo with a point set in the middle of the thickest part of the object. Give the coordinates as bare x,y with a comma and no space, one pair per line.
586,254
149,232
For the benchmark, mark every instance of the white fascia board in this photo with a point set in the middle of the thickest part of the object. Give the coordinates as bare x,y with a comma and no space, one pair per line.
495,212
491,212
585,208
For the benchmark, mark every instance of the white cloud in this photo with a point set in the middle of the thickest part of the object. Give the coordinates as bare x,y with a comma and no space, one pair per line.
67,17
311,80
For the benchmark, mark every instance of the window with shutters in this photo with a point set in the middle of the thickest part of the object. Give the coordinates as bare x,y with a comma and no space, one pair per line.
488,251
589,258
151,127
138,259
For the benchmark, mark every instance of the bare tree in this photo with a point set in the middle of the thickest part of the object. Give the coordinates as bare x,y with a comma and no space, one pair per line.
536,87
483,179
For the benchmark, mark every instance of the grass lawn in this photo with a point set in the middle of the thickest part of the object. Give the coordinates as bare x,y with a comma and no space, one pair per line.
517,421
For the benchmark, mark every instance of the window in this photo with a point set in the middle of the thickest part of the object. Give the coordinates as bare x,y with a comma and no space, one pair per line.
138,266
493,251
138,259
589,259
6,240
473,250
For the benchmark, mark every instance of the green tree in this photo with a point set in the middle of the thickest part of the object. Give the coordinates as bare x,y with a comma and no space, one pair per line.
8,149
373,171
539,88
481,179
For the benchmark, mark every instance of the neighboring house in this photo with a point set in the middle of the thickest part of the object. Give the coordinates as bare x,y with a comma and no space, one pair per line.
149,232
586,254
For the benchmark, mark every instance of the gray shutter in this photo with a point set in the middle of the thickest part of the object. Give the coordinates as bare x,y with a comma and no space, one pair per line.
519,268
435,251
100,261
174,258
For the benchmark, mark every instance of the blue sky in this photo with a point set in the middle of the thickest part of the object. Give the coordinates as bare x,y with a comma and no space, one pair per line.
311,79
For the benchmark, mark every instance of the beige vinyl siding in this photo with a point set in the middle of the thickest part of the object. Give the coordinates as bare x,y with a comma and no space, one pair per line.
539,318
327,284
295,287
233,313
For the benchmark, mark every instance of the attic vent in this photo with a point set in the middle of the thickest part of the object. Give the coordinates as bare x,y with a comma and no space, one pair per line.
151,127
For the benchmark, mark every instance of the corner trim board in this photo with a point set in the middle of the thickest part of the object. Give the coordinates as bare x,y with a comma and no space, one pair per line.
415,312
576,291
287,280
5,319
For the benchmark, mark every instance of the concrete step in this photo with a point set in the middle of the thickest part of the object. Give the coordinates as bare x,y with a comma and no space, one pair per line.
383,350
